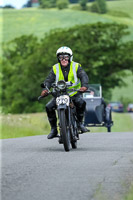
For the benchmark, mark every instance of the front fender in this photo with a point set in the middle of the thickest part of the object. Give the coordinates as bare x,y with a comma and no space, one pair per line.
62,107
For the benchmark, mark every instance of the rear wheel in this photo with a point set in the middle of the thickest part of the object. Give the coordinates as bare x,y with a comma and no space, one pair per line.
65,132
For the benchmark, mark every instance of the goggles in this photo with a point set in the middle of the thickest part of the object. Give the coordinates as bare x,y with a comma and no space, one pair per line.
64,57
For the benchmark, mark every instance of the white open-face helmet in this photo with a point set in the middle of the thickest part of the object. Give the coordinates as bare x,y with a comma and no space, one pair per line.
65,50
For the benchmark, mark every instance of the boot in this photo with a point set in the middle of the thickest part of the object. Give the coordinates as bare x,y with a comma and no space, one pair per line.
54,131
81,127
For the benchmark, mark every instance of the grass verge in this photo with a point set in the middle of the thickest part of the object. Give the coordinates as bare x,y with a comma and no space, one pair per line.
130,194
122,123
21,125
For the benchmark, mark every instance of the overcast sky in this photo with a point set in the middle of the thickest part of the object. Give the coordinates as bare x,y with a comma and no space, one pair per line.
16,3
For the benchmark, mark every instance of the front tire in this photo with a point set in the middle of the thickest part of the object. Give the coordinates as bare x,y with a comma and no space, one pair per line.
65,132
74,140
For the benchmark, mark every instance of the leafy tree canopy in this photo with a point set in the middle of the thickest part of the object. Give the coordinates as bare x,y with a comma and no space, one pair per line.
47,3
83,4
8,6
99,6
61,4
28,4
98,47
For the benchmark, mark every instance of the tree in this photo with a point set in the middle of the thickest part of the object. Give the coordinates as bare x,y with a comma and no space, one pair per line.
99,6
98,47
61,4
102,6
20,72
8,6
73,1
47,3
95,7
83,4
28,4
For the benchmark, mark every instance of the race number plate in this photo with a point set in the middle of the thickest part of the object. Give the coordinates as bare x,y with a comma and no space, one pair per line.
63,100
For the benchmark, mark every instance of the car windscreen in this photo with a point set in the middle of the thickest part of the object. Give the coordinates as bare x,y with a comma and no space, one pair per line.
96,91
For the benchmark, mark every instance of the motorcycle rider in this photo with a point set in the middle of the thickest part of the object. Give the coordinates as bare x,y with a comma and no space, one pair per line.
66,70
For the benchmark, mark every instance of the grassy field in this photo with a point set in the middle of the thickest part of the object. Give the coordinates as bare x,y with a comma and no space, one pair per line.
22,125
125,6
39,21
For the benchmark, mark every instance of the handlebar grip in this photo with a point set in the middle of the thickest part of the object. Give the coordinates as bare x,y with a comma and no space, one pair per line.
40,97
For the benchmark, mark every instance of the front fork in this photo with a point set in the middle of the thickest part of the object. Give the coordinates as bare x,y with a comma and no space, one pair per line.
66,109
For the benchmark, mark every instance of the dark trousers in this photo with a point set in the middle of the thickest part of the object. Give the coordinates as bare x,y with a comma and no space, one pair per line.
78,102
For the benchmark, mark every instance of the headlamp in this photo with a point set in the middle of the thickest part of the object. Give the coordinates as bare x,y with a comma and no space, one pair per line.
61,85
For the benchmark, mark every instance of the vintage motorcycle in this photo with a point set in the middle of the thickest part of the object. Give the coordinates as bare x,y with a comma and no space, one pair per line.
66,110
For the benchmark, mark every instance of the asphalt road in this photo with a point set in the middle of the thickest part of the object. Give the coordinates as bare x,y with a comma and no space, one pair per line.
34,168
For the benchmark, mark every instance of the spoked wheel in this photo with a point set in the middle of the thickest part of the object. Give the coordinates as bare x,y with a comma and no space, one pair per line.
65,130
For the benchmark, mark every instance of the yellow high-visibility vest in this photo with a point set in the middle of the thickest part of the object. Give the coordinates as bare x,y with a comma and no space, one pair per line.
72,75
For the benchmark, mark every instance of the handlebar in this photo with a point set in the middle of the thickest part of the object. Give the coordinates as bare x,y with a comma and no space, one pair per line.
70,90
40,97
73,90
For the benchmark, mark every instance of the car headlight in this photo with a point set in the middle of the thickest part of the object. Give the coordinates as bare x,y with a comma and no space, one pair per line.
61,85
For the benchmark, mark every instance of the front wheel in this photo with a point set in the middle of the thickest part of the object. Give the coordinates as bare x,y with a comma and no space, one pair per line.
74,133
65,132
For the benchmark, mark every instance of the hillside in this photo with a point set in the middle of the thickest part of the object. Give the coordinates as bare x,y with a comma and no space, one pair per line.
15,23
125,6
39,21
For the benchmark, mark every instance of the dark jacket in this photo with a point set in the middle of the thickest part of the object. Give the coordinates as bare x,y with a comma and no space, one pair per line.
81,74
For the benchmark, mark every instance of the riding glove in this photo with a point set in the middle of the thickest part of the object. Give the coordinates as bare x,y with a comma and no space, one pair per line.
83,89
44,93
